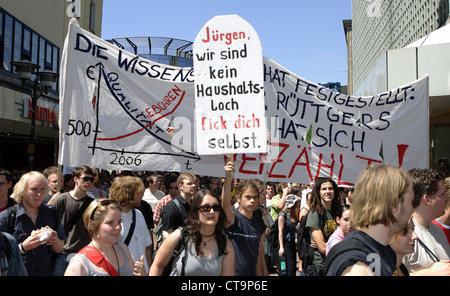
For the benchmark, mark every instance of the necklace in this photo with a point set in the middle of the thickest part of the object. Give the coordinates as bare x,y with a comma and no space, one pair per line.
205,242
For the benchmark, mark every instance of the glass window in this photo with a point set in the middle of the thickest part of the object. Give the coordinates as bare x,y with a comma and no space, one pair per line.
92,17
35,48
7,46
55,65
41,52
17,41
48,56
26,53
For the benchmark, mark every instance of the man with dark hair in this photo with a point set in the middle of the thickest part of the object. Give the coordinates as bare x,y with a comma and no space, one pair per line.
5,185
71,206
173,215
152,194
431,251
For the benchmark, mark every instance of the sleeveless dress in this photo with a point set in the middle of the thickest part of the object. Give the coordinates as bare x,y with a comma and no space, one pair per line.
92,270
197,265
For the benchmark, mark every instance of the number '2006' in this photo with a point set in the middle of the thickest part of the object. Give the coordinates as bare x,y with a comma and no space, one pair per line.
122,159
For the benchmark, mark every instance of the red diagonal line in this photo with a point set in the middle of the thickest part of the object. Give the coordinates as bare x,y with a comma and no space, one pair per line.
145,127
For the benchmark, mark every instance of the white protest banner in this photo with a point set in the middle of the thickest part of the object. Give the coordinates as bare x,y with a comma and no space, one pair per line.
229,88
120,111
320,132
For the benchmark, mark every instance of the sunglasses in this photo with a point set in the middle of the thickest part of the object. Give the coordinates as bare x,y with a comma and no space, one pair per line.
103,202
85,179
207,208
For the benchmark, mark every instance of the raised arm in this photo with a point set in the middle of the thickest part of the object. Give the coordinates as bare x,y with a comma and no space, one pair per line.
226,190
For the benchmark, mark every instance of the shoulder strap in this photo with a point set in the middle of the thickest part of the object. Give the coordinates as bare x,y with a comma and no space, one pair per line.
68,227
132,226
177,203
98,259
433,256
11,219
184,238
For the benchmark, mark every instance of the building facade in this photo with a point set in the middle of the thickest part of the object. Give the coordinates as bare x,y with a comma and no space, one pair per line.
392,43
34,32
380,25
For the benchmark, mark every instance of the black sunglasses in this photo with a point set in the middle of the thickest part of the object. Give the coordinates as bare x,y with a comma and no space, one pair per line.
207,208
103,202
85,179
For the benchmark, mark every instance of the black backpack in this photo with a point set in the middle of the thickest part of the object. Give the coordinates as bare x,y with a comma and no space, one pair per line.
273,236
178,249
158,231
304,250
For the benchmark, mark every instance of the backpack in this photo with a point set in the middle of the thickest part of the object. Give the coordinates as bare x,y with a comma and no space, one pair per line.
158,231
304,250
273,236
177,251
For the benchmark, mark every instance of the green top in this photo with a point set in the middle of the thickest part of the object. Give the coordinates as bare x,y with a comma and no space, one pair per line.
328,227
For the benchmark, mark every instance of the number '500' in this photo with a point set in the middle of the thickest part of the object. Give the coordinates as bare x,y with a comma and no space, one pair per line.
79,128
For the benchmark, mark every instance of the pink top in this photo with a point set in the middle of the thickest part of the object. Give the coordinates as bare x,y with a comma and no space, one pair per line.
335,238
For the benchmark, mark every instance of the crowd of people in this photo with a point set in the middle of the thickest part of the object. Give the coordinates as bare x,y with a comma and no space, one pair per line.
99,223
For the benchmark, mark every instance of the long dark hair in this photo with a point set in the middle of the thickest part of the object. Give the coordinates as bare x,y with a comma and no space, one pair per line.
193,223
316,201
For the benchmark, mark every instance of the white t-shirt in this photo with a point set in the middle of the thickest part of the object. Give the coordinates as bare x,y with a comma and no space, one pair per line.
152,198
433,237
141,237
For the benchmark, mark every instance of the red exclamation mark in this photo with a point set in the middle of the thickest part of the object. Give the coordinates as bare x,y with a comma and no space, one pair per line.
401,153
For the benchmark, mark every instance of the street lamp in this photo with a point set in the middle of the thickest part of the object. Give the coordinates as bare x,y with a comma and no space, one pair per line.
25,70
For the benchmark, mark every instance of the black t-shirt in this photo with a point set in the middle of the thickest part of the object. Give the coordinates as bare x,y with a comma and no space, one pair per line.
379,258
171,216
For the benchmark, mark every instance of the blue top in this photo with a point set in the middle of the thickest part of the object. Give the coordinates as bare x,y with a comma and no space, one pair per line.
12,266
38,260
289,231
245,235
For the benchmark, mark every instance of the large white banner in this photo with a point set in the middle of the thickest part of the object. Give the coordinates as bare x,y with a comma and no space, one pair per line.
120,111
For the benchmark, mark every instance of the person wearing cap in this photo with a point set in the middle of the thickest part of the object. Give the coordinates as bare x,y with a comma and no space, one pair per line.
287,222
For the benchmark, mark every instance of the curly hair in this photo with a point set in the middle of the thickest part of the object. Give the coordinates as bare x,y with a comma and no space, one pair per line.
123,189
193,223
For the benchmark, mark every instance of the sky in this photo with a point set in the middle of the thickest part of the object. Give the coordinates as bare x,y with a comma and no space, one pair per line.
304,36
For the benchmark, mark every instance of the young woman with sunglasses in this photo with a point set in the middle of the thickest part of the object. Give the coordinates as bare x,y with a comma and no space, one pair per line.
104,255
208,252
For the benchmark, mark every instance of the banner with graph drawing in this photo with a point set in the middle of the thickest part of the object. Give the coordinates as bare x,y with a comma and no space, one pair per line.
120,111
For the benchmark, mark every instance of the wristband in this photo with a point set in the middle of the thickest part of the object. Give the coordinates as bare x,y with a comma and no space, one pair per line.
21,248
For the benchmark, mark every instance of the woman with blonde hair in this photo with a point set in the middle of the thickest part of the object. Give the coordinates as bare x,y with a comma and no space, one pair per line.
382,205
105,255
403,243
